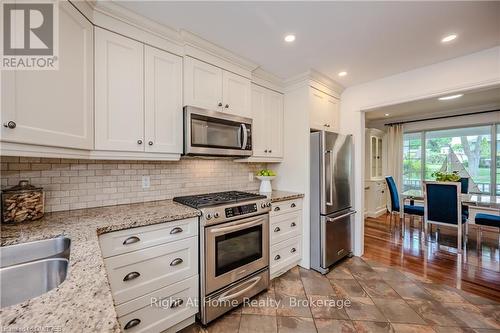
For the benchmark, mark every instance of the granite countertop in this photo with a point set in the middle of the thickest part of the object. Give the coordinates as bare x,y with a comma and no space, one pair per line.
277,196
83,302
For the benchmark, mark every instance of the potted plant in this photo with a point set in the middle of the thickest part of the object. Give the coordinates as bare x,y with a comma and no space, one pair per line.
443,176
265,176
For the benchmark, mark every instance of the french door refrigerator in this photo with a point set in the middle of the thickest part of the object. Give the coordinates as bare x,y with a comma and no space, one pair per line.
331,210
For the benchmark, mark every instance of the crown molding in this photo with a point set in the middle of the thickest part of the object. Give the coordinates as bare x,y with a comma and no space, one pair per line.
317,80
268,80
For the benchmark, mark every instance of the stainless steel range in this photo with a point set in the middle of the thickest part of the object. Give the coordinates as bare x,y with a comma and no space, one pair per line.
234,248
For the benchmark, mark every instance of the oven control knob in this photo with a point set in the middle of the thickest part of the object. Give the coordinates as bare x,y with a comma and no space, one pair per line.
216,215
208,216
263,205
268,204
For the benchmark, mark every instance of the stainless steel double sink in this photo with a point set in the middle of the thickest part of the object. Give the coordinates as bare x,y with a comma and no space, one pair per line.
30,269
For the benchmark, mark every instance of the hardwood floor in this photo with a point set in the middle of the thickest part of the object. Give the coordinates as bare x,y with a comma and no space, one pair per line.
475,271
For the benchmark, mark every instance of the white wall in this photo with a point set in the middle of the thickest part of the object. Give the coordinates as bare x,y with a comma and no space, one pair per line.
481,69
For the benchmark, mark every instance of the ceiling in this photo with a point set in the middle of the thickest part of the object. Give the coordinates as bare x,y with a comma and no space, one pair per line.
369,40
472,101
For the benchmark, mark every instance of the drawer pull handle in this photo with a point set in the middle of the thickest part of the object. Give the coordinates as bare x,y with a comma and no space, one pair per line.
132,323
278,257
292,250
293,224
178,302
277,229
176,261
176,230
131,276
293,205
131,240
276,209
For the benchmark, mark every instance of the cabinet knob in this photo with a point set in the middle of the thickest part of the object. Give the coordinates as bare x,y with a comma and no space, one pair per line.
220,104
293,224
176,261
292,250
278,257
175,230
265,151
11,124
139,142
293,205
277,229
226,106
270,151
178,302
276,209
132,323
150,143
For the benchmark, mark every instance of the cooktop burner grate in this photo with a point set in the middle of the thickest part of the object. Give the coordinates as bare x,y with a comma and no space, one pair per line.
218,198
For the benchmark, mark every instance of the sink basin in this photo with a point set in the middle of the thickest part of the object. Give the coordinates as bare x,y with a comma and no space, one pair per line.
28,270
58,247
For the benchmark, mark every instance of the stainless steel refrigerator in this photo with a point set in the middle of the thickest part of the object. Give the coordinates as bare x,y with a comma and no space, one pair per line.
331,209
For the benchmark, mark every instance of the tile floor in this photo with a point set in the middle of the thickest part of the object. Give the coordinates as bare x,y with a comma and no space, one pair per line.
383,299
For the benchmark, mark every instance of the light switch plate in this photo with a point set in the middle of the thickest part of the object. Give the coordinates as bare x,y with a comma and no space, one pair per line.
146,181
250,176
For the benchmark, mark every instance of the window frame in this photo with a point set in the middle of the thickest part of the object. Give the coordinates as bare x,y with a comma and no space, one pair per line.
494,152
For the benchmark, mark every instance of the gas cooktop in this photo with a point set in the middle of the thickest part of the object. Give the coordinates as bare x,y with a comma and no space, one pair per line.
218,198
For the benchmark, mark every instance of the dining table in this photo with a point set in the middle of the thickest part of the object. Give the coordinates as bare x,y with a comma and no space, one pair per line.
468,199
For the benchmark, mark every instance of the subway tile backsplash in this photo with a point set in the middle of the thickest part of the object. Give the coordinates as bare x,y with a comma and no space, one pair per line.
75,184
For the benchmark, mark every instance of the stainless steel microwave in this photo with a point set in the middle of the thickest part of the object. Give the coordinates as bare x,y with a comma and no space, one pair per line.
212,133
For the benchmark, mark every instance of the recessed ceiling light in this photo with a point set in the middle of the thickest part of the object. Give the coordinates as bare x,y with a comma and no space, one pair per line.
387,115
289,38
448,38
446,98
343,73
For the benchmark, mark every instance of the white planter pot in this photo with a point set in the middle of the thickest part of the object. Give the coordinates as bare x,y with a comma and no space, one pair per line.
265,184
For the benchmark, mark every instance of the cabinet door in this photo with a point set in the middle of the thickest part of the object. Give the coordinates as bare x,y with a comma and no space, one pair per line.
373,157
259,124
54,107
236,91
119,111
331,113
318,102
275,123
379,157
202,85
163,101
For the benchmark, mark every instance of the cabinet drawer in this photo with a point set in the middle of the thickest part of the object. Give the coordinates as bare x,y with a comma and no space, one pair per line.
137,273
160,309
123,241
285,206
285,226
285,253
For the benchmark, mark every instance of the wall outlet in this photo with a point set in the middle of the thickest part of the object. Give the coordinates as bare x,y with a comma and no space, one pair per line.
146,181
250,176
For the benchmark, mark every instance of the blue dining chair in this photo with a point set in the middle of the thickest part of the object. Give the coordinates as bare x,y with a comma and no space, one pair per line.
488,220
464,186
442,206
395,206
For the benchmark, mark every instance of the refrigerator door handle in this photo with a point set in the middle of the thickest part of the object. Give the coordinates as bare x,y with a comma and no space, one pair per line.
336,218
329,165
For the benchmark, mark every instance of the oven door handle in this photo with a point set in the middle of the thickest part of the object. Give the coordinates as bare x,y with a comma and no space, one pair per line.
237,226
245,136
225,296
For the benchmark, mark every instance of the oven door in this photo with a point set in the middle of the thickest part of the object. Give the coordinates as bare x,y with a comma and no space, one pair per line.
235,250
215,133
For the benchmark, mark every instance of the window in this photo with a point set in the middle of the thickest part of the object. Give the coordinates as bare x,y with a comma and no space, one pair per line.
412,161
469,150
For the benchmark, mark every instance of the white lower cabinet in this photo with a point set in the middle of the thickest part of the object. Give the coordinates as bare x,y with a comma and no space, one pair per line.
376,198
161,265
285,236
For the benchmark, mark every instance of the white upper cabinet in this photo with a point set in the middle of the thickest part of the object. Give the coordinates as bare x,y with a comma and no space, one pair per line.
163,101
267,114
236,94
202,85
119,103
209,87
54,107
324,111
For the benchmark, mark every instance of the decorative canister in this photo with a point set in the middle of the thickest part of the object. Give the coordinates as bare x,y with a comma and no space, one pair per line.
23,202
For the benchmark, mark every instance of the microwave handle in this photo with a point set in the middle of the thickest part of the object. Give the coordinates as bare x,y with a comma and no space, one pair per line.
245,136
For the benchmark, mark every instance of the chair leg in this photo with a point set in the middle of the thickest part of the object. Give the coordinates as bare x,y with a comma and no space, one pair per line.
478,238
459,239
